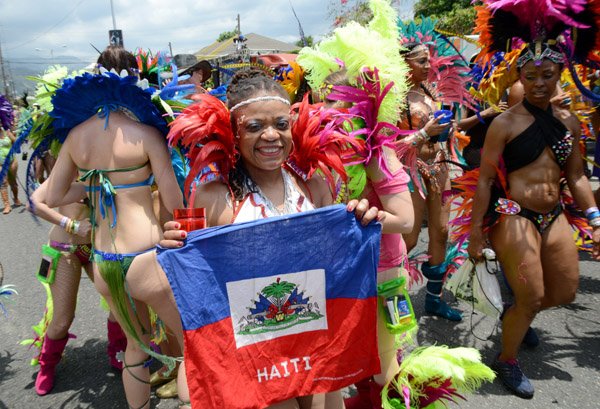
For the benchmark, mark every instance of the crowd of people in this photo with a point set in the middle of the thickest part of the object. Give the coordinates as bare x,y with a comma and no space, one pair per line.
110,166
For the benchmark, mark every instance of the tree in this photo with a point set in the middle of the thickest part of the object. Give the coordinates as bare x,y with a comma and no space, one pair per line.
455,16
226,35
309,40
342,11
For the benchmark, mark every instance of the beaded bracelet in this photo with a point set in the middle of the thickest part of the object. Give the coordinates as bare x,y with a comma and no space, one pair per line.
424,134
595,222
76,227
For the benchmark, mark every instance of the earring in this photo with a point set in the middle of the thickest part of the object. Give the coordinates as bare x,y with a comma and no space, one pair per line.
237,136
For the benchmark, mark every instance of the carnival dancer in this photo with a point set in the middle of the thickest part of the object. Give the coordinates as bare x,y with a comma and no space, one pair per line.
370,86
425,53
69,248
529,149
113,141
7,161
266,180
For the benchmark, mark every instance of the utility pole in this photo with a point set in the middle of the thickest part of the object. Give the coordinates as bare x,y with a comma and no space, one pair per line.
170,49
115,37
239,30
112,11
5,86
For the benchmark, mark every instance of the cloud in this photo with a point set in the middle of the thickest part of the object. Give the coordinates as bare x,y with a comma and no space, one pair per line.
188,25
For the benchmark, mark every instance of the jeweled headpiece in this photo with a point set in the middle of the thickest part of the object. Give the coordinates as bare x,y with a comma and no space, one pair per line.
564,32
540,51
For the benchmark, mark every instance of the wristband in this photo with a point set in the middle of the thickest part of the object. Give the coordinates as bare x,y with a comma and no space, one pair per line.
593,215
75,226
424,134
68,225
593,209
595,222
63,221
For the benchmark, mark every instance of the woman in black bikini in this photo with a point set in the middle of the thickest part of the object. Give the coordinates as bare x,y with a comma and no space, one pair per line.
537,143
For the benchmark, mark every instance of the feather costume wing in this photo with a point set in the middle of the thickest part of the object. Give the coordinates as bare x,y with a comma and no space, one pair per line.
203,131
435,374
7,115
362,48
321,143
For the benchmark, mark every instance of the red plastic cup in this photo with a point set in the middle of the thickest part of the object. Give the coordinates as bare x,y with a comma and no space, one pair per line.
190,218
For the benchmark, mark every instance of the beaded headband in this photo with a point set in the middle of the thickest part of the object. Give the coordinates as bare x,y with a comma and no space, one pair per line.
539,55
258,99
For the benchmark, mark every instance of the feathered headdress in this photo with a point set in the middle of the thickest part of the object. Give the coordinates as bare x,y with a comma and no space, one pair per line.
357,48
87,95
291,78
204,132
449,71
321,143
564,31
7,115
432,376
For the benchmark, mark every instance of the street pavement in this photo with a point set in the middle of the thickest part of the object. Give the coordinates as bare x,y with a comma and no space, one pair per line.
565,368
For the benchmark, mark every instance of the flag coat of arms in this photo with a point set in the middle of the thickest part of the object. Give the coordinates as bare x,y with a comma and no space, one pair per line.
277,308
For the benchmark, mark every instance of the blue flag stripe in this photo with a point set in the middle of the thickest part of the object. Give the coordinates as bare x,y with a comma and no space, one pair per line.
329,238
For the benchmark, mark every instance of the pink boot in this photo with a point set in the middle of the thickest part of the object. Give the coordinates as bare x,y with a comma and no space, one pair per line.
376,390
363,399
117,342
51,353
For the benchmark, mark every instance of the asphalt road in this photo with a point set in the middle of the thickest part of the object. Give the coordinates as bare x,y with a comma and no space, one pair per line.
565,368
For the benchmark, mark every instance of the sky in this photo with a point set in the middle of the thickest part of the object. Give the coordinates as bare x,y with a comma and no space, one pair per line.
39,32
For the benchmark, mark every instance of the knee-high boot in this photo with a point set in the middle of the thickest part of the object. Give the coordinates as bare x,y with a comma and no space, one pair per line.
362,400
51,353
435,281
4,194
117,343
375,390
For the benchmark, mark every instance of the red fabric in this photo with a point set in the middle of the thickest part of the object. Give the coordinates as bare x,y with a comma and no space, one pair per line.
221,376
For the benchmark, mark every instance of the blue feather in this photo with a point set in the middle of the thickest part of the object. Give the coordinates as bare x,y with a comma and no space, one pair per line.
83,96
589,94
14,149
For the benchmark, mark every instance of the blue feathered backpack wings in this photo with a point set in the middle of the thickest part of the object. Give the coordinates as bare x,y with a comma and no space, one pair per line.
87,95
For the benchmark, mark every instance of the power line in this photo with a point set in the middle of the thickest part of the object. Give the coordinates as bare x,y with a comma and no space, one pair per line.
50,29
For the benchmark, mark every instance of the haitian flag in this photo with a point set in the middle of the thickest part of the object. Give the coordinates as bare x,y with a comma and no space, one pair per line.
277,308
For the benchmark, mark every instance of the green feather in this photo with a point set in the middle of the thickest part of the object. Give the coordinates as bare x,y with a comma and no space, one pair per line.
432,366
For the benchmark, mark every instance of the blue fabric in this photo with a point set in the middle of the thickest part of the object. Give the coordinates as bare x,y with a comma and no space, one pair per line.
329,238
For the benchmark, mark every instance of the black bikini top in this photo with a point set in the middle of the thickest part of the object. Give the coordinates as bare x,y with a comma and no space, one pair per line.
545,131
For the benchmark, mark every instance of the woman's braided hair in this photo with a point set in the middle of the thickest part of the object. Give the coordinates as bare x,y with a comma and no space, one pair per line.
244,85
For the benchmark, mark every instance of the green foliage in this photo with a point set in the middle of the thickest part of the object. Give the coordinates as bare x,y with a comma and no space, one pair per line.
357,10
456,16
226,35
439,7
278,289
309,40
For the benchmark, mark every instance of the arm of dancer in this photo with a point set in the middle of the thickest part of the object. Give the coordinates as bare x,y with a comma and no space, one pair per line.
471,121
160,162
578,183
61,178
397,214
425,125
41,209
495,141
